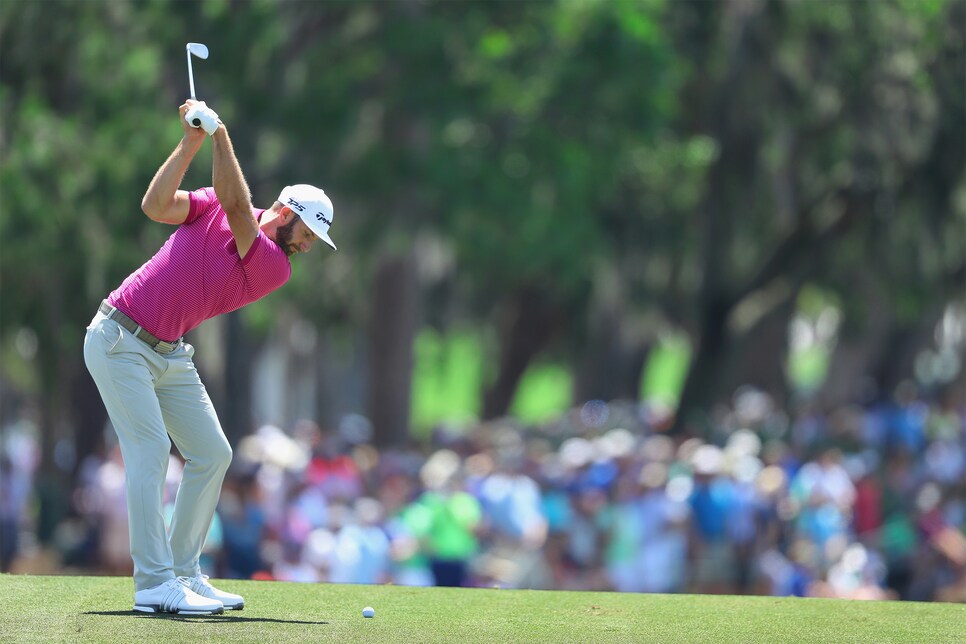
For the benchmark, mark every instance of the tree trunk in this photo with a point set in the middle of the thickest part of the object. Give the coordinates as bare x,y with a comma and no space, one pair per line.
89,418
759,356
704,372
392,331
896,361
850,368
527,324
340,377
613,357
235,411
628,368
56,445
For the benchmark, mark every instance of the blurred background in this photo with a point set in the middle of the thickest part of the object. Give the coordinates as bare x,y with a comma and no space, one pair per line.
649,296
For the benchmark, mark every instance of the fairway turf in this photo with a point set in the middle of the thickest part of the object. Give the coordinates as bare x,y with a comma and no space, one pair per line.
98,609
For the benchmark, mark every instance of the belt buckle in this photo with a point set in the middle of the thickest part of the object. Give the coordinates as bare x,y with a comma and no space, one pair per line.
165,347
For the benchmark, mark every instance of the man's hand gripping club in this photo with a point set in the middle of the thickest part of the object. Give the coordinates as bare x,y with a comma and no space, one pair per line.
199,115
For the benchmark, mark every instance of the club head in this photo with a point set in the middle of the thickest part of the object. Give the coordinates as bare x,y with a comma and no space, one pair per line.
197,49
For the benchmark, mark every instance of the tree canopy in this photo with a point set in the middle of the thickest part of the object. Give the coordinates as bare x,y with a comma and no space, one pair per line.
567,179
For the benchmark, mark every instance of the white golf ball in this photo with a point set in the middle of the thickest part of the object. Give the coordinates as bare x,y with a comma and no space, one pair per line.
368,611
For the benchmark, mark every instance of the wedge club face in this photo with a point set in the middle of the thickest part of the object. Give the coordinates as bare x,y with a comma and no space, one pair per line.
201,51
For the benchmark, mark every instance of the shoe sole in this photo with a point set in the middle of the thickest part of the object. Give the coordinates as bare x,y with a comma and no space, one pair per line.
155,608
235,607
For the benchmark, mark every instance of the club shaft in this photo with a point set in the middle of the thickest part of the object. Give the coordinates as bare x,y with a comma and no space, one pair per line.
191,77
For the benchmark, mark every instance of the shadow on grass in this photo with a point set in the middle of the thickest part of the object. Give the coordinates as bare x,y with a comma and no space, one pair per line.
226,618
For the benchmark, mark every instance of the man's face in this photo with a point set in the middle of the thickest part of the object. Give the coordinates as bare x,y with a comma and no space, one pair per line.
295,237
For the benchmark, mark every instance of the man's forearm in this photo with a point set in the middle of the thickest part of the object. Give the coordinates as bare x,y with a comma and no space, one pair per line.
232,191
227,178
167,180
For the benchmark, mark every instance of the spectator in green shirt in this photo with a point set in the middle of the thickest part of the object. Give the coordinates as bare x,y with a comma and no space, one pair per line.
445,519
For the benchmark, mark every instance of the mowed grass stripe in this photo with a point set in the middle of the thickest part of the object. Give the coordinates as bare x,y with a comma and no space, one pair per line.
98,609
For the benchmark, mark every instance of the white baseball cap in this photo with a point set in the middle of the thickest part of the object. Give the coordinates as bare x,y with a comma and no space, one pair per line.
312,205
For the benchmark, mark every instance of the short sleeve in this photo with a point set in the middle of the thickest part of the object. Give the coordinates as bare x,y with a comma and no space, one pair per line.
199,202
266,266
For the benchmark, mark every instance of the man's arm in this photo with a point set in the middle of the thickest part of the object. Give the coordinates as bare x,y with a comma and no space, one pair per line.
163,201
232,191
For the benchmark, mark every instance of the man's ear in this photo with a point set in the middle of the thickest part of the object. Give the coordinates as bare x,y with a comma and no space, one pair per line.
285,214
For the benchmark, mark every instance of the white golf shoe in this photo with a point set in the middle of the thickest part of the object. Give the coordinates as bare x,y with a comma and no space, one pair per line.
203,587
174,596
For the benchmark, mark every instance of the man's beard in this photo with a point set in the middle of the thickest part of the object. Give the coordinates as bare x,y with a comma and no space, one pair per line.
283,237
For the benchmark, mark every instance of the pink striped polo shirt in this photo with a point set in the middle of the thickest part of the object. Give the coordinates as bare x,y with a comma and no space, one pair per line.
198,274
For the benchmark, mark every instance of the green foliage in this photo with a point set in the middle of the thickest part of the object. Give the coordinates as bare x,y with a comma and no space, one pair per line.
447,379
666,369
545,392
563,107
677,144
807,367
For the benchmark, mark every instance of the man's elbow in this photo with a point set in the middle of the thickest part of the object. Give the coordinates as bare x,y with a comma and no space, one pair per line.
162,213
237,208
151,209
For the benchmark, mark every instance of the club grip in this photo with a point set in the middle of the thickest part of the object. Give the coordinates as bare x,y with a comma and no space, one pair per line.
193,116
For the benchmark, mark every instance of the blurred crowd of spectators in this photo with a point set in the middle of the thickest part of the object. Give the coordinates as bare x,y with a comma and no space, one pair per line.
863,502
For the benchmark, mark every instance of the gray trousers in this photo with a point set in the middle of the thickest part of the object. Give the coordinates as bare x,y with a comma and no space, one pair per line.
149,397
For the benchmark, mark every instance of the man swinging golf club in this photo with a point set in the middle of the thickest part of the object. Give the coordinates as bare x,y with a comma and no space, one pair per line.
224,254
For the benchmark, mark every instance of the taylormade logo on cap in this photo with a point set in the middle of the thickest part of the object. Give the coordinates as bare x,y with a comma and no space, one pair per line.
312,206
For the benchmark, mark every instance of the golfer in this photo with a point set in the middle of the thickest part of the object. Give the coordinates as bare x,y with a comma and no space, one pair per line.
223,255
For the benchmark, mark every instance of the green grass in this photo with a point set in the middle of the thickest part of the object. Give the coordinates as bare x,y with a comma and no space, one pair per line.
545,392
98,609
447,379
666,369
807,368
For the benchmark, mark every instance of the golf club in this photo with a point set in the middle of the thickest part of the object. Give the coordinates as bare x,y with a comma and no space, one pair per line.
201,51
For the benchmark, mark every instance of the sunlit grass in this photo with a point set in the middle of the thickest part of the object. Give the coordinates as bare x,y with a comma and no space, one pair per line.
98,609
449,375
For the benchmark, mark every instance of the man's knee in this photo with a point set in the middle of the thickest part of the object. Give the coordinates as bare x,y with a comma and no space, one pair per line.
216,457
223,455
142,445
